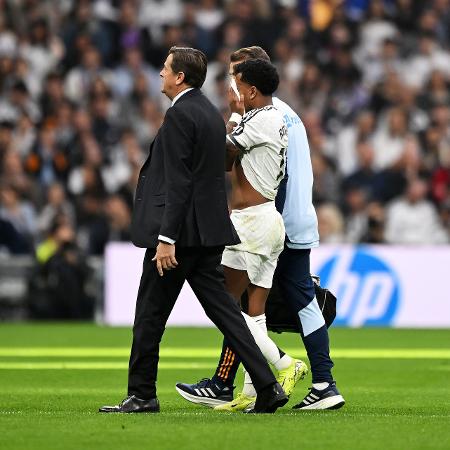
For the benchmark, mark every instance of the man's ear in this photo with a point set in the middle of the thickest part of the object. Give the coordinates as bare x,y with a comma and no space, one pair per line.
180,78
253,92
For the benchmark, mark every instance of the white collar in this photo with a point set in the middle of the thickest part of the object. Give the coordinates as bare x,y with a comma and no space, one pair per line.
180,94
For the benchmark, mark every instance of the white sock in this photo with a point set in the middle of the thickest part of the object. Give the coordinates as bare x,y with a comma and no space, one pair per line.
285,361
261,321
320,386
266,345
248,384
248,389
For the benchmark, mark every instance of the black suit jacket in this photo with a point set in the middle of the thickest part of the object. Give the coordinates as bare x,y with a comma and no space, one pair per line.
181,188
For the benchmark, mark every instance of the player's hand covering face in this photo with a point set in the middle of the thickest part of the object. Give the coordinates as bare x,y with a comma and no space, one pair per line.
247,92
235,99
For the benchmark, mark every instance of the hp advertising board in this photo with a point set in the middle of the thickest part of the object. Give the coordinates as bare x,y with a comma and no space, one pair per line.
367,288
375,286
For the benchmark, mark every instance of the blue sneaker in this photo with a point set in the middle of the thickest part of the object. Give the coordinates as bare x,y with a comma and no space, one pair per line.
206,392
328,398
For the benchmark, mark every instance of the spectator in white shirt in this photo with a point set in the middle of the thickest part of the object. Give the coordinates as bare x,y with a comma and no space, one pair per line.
42,50
80,79
430,57
390,139
345,149
413,219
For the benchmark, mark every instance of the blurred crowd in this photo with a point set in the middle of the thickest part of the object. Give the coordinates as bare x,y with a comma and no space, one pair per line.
80,102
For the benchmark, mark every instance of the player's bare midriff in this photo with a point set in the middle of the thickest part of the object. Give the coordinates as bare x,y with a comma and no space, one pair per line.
243,195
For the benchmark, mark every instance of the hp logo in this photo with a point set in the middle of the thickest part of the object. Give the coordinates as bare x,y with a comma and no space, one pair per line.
367,289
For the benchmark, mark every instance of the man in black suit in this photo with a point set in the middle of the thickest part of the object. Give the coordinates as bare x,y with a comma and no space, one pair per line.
181,217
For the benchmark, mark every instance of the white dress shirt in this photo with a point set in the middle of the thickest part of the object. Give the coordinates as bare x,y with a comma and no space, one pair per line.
174,100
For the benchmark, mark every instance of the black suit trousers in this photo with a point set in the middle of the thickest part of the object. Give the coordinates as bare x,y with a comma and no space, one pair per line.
156,298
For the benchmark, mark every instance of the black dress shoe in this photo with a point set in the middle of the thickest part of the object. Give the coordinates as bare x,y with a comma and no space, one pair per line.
133,404
269,399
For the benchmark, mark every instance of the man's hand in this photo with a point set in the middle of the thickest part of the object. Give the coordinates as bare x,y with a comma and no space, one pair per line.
165,257
236,103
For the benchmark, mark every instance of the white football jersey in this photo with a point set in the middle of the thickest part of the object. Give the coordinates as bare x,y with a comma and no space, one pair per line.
262,136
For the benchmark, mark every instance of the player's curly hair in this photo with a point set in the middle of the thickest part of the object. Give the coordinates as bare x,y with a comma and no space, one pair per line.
259,73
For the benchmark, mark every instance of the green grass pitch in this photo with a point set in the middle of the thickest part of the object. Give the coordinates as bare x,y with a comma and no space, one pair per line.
53,378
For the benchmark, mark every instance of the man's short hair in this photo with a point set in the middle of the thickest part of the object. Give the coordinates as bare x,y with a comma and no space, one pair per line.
191,62
246,53
259,73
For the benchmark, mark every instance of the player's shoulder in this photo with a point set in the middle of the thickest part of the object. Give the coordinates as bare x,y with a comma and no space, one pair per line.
282,106
269,112
290,116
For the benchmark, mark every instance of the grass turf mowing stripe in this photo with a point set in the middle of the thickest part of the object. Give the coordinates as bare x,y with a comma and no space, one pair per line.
197,352
75,365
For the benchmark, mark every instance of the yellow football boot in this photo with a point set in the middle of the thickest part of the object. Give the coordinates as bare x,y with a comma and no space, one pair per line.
240,403
290,376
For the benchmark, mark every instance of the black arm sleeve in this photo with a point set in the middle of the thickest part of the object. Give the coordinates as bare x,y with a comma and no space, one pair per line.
178,146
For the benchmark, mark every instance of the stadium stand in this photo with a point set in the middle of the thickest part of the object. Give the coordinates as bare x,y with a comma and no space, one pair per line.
80,102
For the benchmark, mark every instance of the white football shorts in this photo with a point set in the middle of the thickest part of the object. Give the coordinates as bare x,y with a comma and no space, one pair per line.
261,231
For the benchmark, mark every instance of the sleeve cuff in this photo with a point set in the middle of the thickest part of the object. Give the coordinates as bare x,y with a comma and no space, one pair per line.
235,117
165,239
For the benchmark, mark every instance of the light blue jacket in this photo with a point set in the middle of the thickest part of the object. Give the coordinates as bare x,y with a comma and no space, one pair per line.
294,198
